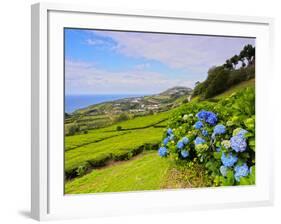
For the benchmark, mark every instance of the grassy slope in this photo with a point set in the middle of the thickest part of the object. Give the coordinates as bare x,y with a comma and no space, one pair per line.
141,122
112,147
240,86
146,172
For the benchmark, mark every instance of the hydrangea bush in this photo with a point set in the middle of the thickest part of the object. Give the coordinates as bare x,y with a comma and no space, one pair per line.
219,135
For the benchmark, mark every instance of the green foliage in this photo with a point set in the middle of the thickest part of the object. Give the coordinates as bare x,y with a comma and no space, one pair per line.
118,128
236,112
81,170
215,83
220,79
229,179
234,60
240,75
223,77
71,129
122,117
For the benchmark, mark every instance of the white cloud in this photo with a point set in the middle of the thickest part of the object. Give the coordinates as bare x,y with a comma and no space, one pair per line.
95,42
196,53
86,78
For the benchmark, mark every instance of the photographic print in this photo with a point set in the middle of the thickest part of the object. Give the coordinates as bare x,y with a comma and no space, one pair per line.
156,111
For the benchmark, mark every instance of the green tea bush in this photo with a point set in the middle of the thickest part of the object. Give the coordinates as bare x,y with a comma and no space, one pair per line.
81,170
118,128
71,129
220,136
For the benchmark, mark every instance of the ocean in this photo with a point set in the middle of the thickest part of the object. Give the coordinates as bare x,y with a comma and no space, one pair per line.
74,102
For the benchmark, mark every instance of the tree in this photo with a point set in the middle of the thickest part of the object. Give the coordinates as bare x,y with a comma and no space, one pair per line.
217,79
242,58
252,53
248,53
228,64
234,60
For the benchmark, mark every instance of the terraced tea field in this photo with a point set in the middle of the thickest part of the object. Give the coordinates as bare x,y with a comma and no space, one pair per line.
99,147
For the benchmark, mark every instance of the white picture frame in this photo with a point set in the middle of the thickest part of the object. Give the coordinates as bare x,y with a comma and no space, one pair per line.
47,197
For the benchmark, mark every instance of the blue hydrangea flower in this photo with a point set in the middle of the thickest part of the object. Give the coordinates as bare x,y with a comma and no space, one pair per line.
228,160
166,140
223,170
171,137
202,115
169,131
199,140
204,132
238,143
184,153
198,125
185,140
242,132
180,145
219,129
162,151
241,171
207,116
211,118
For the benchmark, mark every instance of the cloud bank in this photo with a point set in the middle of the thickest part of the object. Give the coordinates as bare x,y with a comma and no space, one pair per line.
192,52
86,78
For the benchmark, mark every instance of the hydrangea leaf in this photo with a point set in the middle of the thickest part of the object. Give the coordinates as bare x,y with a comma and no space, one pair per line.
244,181
250,123
217,155
252,143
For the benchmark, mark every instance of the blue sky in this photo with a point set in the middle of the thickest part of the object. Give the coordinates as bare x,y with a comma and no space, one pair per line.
111,62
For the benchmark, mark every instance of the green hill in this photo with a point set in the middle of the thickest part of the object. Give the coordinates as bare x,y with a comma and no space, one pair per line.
228,92
238,87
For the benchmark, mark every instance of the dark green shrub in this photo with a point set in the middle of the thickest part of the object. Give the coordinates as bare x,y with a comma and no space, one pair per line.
129,155
72,129
147,146
122,117
118,128
81,170
100,161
